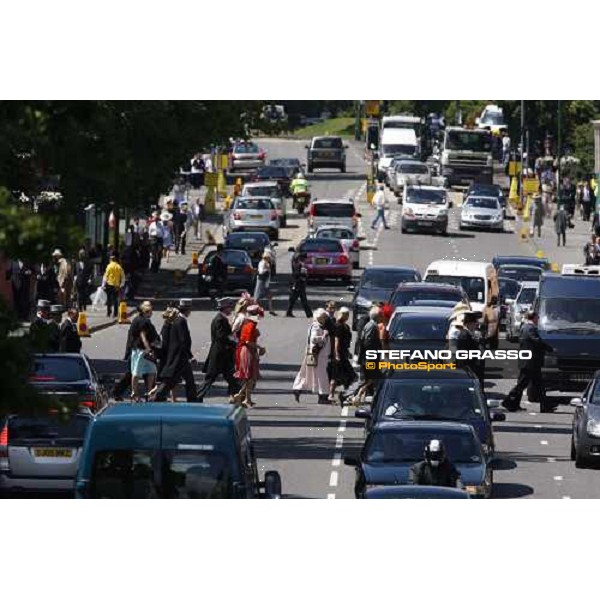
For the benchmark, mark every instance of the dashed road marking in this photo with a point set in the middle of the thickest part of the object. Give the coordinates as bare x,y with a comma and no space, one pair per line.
551,459
333,479
339,442
533,414
558,478
330,496
566,497
342,426
544,443
337,459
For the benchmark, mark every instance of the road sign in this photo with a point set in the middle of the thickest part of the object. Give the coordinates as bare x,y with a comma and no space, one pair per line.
372,108
211,179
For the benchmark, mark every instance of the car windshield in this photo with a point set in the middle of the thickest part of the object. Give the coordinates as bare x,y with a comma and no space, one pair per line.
418,327
474,287
335,234
455,400
527,296
521,273
334,143
339,210
407,445
417,196
321,245
59,368
476,141
570,314
412,168
285,162
246,149
254,204
493,118
406,149
24,428
263,190
484,189
473,202
386,280
271,172
409,297
230,257
508,288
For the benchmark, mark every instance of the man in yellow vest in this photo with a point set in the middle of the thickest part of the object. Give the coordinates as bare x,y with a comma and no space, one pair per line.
113,281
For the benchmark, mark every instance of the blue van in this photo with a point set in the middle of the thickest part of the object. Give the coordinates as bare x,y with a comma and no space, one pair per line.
161,450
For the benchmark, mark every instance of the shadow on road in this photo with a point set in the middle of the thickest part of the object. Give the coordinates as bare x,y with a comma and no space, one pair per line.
334,422
511,490
300,448
551,429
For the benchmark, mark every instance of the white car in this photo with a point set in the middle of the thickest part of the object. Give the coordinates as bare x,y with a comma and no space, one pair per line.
253,213
346,236
271,190
482,212
518,307
425,207
492,118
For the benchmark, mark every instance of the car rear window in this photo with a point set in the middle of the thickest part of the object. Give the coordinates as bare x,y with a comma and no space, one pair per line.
321,245
386,280
246,149
408,297
254,204
336,210
25,428
231,257
272,172
267,190
334,143
59,368
246,242
335,234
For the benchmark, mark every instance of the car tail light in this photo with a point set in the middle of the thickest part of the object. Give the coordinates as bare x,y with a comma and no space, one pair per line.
204,268
262,154
88,404
312,210
273,215
4,447
248,269
342,259
237,215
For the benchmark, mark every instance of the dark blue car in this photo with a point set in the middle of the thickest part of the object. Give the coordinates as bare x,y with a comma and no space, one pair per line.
241,275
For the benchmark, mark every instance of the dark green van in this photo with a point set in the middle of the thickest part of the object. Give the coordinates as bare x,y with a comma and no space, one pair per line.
163,450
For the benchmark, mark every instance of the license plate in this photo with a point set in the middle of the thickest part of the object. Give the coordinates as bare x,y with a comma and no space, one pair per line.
425,223
53,452
256,217
231,269
321,261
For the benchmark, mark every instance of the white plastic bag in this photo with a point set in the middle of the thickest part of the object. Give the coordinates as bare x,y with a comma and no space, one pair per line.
98,299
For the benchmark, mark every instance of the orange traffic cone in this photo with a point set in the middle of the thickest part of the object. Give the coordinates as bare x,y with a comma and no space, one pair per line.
82,326
123,320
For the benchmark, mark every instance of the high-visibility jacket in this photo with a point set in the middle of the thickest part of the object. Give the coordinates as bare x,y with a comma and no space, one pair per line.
298,185
114,275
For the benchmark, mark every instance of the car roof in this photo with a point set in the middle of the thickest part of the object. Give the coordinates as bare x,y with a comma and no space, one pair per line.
333,201
254,198
261,184
554,285
345,227
428,285
503,259
385,268
520,266
457,266
164,410
327,137
453,374
481,197
438,426
434,311
417,186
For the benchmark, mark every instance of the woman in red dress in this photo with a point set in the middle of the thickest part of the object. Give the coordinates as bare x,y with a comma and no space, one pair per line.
247,356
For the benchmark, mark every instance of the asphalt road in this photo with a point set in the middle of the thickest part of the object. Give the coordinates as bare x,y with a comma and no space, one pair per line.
306,442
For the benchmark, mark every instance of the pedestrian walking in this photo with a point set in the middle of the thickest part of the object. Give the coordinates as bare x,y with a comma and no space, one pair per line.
217,272
54,323
370,339
248,353
505,149
590,251
530,370
84,272
298,286
379,205
47,285
184,223
197,168
112,282
312,375
263,281
169,316
64,278
69,340
588,200
467,341
40,329
239,314
178,357
156,234
342,372
538,214
560,225
144,340
221,355
168,234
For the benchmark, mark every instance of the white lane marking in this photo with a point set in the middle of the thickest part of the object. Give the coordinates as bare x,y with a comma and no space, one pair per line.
533,414
339,442
538,426
333,479
330,496
558,478
342,426
551,459
566,497
544,443
337,459
345,411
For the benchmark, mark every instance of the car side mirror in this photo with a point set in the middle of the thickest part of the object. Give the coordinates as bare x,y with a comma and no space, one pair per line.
346,146
351,461
363,413
450,204
272,485
498,417
477,121
576,402
307,147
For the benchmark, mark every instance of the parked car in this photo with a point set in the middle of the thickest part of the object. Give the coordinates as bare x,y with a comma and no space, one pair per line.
425,208
346,236
325,259
585,436
326,152
425,292
254,243
253,213
375,285
392,447
246,156
482,212
269,189
332,212
241,275
172,451
519,307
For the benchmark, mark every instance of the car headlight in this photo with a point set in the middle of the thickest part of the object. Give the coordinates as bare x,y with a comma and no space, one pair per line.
476,490
593,428
363,302
550,360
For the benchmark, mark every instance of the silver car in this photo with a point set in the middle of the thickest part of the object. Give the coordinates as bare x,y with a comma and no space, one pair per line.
269,189
246,156
346,236
253,213
409,172
585,438
518,307
481,212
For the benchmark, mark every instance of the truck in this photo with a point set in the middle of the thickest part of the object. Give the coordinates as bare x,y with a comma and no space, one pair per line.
467,156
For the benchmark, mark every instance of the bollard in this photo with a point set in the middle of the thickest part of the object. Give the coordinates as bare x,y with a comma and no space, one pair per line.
82,326
194,259
540,254
123,320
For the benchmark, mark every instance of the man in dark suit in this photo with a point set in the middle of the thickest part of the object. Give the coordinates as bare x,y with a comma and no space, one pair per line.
56,313
178,357
467,341
40,330
221,356
531,369
69,340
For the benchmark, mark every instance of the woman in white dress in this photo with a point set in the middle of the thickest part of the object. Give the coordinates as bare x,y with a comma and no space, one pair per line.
313,371
168,239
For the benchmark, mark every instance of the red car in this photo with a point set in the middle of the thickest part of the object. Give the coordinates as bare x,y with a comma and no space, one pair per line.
326,259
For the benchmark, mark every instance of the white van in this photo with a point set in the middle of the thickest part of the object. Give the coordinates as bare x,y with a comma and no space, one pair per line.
395,142
478,279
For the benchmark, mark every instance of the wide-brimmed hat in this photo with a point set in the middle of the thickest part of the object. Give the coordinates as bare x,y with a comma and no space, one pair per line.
185,303
57,252
43,304
226,302
459,308
57,309
166,216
